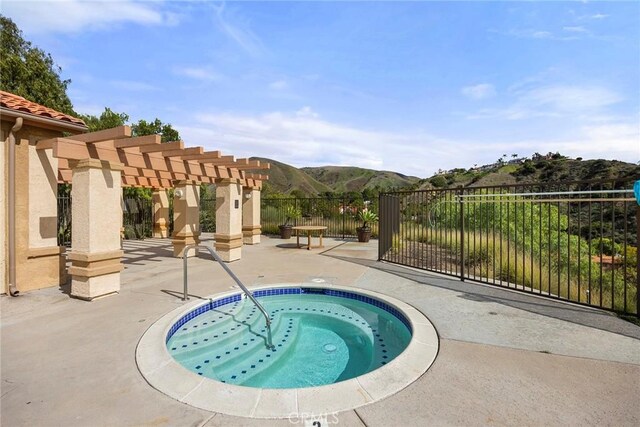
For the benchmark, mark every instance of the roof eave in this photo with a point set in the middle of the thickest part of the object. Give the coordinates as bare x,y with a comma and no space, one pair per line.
41,121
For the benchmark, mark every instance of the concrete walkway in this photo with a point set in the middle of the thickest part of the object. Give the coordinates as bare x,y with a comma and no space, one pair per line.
505,358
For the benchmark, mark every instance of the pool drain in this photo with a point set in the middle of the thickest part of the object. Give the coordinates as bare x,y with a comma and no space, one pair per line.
329,348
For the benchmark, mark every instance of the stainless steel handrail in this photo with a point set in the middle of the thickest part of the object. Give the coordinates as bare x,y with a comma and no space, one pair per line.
234,277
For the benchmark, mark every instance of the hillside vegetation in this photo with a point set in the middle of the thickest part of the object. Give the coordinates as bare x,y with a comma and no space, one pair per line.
346,178
286,179
313,181
559,169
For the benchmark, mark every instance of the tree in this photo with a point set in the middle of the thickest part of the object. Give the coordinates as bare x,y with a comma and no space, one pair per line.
30,72
107,120
438,181
155,127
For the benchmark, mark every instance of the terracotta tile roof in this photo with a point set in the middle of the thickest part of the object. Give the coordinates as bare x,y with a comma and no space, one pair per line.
18,103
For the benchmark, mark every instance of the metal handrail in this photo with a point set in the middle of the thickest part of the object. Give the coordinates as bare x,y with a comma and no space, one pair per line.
234,277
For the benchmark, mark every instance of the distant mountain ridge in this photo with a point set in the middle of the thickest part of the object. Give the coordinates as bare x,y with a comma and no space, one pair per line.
348,178
285,178
312,181
536,170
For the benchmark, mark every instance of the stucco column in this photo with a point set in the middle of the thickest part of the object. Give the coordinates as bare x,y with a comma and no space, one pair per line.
96,220
160,200
186,216
228,235
251,216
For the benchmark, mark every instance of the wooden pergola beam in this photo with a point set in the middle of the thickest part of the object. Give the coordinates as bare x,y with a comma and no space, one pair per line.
147,162
223,160
205,155
182,153
256,176
167,146
137,141
103,135
254,164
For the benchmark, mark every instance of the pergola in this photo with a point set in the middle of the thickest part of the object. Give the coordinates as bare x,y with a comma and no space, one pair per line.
149,163
99,164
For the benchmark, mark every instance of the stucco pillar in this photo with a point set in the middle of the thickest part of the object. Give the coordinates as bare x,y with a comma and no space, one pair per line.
186,216
228,234
160,200
96,220
251,216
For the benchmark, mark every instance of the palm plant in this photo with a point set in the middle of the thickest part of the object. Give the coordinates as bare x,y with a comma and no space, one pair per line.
367,216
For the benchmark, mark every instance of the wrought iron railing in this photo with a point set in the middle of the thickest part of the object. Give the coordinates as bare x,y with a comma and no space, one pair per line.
339,215
137,217
576,241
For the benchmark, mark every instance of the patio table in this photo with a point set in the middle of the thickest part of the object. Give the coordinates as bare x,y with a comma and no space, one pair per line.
309,229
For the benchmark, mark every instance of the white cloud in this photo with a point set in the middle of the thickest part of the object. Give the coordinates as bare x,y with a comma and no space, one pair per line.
72,16
538,34
240,32
595,17
278,85
570,99
198,73
575,29
306,112
304,138
552,101
479,91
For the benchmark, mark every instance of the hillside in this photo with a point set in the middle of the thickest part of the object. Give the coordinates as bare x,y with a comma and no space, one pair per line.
540,171
346,178
284,178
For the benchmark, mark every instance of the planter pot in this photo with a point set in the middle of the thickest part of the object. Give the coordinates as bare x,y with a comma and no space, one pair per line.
285,231
364,234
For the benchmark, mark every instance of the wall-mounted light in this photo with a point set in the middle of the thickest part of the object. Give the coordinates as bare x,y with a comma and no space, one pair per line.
247,196
178,194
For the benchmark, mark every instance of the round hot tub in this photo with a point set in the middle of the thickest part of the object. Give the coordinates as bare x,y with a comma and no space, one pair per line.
326,341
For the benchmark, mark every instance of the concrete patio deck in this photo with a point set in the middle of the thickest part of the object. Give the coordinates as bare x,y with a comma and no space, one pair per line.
505,358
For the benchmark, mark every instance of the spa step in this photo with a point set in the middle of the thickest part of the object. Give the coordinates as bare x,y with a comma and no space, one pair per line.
222,350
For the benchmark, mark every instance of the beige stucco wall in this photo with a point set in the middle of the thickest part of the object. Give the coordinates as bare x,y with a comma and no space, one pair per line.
96,210
97,219
160,200
43,192
229,208
186,216
228,234
251,216
42,265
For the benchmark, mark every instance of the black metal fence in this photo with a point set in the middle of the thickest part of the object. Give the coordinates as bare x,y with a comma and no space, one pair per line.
64,220
208,214
339,215
137,217
576,241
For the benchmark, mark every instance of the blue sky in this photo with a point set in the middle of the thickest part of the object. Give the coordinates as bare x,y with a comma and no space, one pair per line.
411,87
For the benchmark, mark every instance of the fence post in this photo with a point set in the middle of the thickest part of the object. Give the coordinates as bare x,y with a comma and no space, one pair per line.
637,261
461,204
344,217
380,226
